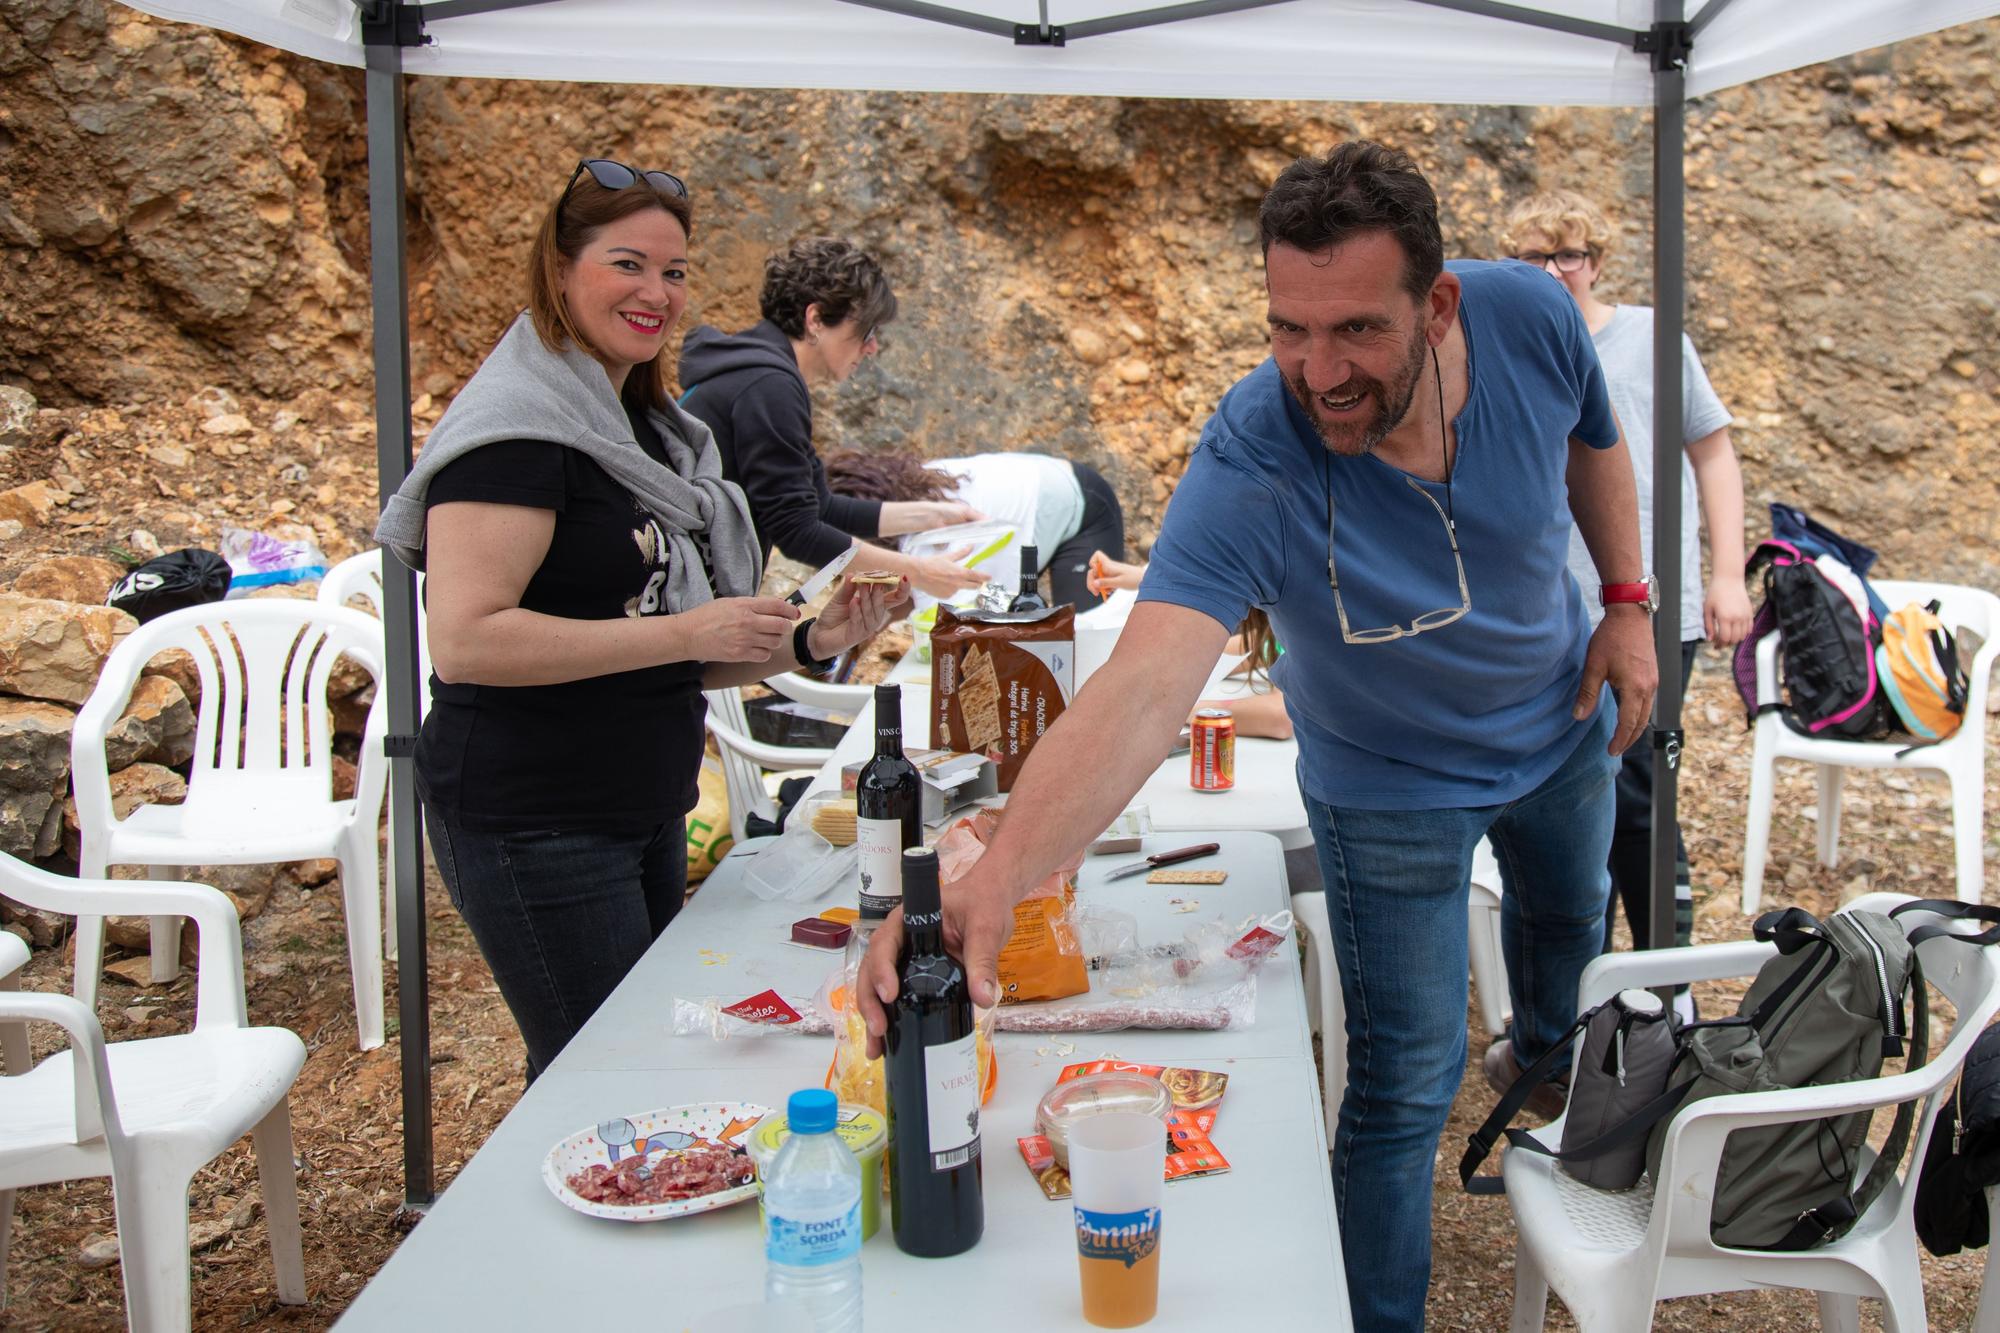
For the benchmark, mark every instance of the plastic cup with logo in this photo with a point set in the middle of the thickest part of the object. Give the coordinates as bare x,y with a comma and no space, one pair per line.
1115,1180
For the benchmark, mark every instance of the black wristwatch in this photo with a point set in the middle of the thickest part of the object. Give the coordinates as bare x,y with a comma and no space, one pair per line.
801,650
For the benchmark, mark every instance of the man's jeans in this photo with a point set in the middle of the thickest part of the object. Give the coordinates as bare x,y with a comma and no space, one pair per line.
1396,886
561,915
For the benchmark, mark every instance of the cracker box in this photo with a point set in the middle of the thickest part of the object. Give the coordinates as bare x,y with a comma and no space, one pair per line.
999,680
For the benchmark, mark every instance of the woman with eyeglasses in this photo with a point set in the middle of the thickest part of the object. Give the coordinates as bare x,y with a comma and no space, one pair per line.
1567,234
590,573
824,302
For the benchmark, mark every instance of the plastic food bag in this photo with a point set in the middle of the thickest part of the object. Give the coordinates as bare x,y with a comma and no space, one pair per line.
756,1016
260,560
1043,959
1178,1006
171,582
857,1079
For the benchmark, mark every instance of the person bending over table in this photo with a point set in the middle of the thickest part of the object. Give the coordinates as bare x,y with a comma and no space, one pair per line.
590,573
1066,509
1259,713
1567,235
825,302
1444,680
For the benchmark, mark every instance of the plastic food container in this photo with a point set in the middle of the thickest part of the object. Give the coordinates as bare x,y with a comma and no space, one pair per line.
1093,1094
864,1131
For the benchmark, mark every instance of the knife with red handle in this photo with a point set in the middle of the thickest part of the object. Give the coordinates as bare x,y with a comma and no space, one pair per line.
1166,859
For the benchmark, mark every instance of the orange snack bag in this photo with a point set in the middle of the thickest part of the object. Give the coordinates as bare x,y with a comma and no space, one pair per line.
1043,959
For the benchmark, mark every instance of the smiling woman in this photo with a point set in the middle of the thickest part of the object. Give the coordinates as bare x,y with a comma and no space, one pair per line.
591,572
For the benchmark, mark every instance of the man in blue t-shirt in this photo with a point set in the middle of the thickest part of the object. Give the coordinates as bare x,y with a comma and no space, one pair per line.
1395,488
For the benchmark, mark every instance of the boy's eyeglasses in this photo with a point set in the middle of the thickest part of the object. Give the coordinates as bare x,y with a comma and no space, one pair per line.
1566,261
617,176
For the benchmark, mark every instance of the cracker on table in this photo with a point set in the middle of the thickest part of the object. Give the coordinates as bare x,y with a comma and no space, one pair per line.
1187,877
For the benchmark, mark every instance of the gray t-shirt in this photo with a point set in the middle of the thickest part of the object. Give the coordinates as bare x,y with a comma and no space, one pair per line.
1625,347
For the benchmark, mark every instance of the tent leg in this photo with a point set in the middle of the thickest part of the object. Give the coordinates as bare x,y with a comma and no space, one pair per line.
390,282
1669,299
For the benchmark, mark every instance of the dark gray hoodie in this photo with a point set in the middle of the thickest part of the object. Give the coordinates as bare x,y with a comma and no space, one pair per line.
748,388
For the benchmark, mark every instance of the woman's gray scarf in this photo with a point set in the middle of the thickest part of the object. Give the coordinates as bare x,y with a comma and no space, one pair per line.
524,391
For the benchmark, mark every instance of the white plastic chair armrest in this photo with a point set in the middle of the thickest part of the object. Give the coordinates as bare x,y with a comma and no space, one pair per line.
95,1106
1767,670
769,756
218,993
1610,973
371,768
820,693
90,773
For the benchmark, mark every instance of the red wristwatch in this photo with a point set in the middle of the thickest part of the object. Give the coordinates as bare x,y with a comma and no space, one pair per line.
1646,594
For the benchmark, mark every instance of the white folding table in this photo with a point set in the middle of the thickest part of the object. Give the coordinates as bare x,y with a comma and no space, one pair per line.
1265,799
1255,1247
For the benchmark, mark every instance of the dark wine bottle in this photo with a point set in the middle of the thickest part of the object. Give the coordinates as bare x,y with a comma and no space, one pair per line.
932,1067
1028,593
888,809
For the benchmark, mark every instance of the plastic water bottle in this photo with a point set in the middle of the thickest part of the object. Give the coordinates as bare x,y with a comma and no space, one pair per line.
812,1198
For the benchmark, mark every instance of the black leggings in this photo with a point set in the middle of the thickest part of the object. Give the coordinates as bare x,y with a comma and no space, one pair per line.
1632,842
1102,529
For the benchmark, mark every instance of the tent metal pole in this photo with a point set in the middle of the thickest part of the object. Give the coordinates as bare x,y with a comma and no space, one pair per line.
1534,18
956,18
389,276
1709,13
1669,302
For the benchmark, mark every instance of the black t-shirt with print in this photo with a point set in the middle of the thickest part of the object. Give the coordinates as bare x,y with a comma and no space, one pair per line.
617,751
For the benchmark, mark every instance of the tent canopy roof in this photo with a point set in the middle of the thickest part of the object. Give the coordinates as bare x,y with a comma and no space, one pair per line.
1318,50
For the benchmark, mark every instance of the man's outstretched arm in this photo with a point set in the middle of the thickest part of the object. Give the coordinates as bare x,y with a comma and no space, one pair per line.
1080,776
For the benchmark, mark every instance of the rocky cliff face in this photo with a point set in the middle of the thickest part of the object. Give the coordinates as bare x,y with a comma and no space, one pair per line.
1078,275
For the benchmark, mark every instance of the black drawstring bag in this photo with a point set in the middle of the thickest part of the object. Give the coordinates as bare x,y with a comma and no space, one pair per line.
183,578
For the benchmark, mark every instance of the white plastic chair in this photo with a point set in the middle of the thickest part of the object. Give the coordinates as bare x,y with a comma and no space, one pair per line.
150,1113
1610,1257
821,693
361,576
1326,1010
13,1036
261,786
1482,931
1962,758
744,760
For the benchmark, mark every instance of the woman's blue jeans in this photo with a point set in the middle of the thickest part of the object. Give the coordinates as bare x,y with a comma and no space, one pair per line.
1396,886
561,915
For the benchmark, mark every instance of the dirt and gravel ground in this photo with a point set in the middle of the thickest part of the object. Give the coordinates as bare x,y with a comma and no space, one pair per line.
346,1113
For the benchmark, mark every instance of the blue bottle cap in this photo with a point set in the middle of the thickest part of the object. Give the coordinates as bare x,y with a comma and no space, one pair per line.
811,1111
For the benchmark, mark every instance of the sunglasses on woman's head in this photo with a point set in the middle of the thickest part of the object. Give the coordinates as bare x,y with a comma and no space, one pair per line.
617,176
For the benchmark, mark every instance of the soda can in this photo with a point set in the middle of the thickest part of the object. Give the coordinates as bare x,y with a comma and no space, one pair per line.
1212,750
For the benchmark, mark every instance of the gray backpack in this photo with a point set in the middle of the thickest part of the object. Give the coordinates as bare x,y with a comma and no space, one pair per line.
1628,1047
1828,1009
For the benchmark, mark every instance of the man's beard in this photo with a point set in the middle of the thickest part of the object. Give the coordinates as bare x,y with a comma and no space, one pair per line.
1392,404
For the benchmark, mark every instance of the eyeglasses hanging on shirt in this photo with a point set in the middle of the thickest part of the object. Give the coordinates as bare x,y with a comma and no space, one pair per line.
1429,620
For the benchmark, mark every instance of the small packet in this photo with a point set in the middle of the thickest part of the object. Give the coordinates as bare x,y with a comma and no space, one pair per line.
755,1016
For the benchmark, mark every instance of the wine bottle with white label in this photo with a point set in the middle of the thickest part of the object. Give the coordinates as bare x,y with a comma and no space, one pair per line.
888,809
932,1067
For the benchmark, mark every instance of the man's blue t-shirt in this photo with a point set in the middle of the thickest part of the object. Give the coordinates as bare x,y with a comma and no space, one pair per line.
1476,712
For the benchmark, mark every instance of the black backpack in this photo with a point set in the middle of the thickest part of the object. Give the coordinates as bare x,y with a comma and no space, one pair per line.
1963,1157
1829,631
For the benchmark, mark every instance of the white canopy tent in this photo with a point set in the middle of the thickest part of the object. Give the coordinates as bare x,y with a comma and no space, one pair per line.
1558,52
